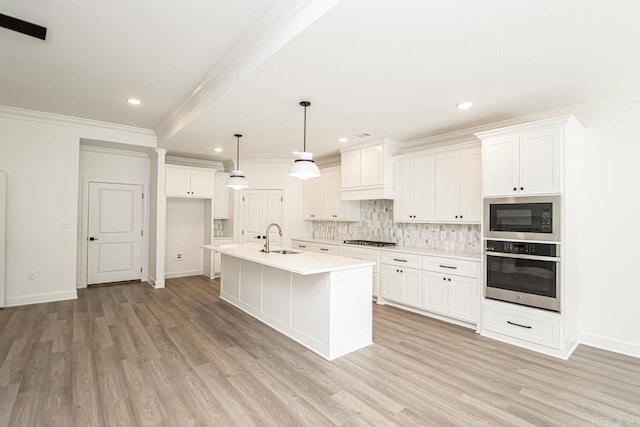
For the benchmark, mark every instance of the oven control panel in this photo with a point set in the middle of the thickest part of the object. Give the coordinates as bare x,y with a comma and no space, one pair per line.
512,247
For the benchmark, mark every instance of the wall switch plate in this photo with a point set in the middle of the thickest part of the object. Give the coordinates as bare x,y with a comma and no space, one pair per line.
31,275
178,257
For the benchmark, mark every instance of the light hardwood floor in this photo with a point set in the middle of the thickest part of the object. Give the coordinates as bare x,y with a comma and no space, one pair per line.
130,355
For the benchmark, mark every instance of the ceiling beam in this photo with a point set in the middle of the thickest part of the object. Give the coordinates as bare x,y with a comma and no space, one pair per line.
266,37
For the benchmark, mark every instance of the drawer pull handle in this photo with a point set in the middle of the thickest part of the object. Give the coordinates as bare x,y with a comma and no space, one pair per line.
517,324
301,246
324,249
400,260
448,266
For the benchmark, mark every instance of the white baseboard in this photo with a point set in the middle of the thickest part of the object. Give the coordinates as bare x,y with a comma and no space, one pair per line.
610,344
40,298
179,274
151,280
158,284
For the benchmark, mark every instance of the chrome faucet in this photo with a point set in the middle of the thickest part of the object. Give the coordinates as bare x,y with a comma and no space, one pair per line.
266,242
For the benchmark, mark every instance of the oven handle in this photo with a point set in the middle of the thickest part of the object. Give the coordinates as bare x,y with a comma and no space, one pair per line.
523,256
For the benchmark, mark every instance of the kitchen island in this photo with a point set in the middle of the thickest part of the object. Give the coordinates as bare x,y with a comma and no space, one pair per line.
321,301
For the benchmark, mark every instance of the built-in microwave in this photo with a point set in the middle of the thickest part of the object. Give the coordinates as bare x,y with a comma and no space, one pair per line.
530,218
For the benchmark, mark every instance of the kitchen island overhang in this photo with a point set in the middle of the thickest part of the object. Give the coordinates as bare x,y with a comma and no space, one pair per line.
321,301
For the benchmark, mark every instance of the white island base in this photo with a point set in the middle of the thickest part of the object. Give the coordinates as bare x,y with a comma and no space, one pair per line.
330,313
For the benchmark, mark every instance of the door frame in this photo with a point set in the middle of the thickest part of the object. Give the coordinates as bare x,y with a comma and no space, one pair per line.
83,225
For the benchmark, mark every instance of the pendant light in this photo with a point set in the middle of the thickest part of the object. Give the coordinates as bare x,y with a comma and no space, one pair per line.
237,181
304,167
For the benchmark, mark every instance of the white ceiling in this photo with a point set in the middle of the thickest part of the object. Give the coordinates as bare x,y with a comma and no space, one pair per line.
393,68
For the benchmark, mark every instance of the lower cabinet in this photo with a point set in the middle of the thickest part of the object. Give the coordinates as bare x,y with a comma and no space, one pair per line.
402,284
432,288
452,296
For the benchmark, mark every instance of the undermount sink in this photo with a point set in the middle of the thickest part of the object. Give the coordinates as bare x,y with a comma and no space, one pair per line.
282,251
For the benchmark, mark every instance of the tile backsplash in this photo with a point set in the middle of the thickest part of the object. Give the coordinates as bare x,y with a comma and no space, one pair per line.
376,223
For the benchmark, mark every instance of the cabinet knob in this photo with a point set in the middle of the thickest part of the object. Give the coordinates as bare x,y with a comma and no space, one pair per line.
456,216
449,279
521,188
460,216
515,189
444,278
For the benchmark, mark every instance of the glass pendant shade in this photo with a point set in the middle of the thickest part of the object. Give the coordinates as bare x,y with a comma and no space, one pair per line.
237,181
304,167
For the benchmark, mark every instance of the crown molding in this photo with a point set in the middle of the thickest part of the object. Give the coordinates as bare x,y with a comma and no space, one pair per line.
77,123
200,163
113,151
468,134
267,36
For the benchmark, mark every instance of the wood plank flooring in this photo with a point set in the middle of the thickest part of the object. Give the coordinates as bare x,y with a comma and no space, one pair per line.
130,355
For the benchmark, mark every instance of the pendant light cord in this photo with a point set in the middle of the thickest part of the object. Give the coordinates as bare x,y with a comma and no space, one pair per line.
304,138
238,136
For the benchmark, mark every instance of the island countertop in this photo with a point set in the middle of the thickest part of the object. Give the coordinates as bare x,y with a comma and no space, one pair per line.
302,262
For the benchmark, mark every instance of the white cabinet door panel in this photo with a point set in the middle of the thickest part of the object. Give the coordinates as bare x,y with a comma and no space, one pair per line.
202,184
411,286
470,186
177,182
500,160
447,186
424,187
540,162
463,296
350,169
391,284
436,293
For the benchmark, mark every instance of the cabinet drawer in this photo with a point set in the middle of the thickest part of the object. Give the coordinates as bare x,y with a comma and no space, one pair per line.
327,249
523,323
451,266
401,259
305,246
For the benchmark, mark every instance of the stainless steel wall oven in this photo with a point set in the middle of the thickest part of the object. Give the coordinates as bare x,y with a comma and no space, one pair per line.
523,273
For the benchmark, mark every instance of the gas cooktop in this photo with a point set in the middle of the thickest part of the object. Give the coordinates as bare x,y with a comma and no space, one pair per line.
368,243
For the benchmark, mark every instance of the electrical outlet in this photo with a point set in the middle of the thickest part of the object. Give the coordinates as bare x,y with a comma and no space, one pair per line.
65,223
178,257
31,275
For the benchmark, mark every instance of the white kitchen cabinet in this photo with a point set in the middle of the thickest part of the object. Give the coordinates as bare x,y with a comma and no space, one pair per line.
523,162
314,199
367,171
452,296
184,181
221,199
321,248
321,199
402,284
458,188
414,190
216,255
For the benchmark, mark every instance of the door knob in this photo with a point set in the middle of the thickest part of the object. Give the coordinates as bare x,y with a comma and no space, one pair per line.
93,238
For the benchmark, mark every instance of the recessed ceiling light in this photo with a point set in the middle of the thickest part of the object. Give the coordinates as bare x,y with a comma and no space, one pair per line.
464,105
218,150
343,139
133,101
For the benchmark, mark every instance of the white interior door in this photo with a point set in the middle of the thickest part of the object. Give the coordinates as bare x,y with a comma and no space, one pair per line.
260,208
252,213
272,211
114,233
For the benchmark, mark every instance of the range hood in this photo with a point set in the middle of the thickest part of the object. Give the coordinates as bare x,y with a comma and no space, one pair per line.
366,170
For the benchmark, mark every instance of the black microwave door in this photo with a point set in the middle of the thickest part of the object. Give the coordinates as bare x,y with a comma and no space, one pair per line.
521,217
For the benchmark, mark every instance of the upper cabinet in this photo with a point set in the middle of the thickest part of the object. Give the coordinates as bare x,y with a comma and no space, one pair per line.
522,160
185,181
440,185
221,199
367,171
321,199
415,186
458,189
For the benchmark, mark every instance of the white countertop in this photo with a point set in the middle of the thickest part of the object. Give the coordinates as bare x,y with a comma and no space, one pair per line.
467,256
303,263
